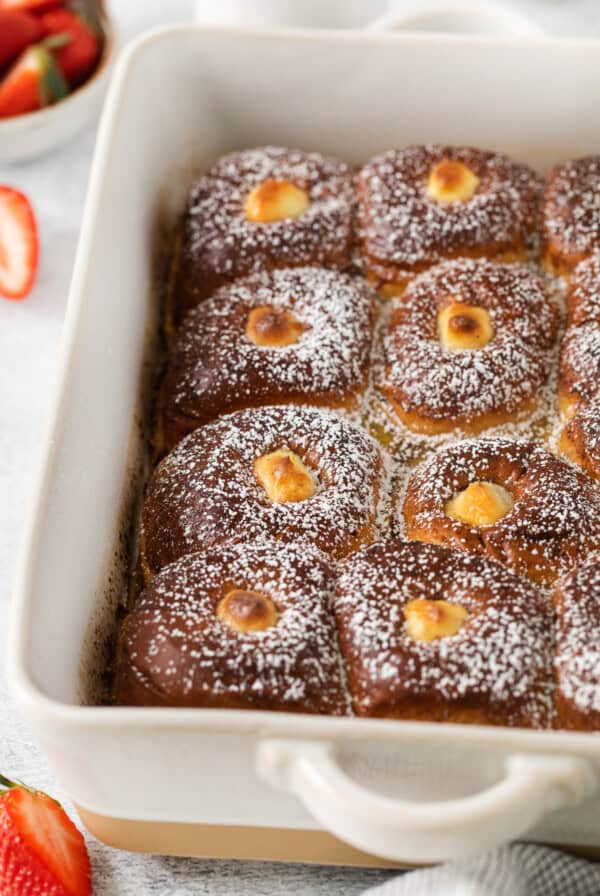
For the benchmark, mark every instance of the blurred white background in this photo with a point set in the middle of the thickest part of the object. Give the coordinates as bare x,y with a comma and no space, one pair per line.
573,18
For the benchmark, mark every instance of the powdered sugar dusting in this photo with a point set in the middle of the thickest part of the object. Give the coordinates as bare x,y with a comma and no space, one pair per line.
174,644
205,491
577,660
583,432
555,519
214,367
204,496
584,292
572,208
499,659
580,361
442,384
221,244
400,227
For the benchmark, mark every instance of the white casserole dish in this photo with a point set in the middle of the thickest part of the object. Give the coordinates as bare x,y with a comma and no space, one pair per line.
181,97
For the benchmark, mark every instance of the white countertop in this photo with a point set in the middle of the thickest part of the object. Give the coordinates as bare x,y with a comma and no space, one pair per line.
30,333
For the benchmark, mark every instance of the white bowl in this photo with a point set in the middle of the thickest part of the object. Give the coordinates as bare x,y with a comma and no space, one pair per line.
25,137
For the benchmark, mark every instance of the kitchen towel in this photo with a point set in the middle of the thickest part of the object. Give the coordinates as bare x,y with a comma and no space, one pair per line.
518,870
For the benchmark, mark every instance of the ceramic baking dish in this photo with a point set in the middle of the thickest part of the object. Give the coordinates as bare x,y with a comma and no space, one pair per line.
237,782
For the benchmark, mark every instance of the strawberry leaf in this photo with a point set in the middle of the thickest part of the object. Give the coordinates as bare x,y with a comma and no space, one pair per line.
53,85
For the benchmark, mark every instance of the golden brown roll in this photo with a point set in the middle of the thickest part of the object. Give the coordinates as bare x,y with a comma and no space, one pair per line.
438,635
511,501
571,213
424,204
580,438
577,660
467,346
297,474
264,208
237,626
583,294
299,335
579,378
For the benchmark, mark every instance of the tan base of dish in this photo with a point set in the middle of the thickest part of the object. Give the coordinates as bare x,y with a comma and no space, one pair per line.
206,841
228,842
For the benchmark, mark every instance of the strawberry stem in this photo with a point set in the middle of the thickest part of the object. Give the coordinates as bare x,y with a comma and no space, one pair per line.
7,784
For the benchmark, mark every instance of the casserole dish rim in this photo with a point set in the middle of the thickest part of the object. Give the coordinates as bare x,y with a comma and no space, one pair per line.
25,689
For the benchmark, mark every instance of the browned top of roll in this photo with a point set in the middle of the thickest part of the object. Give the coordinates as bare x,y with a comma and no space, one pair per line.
221,244
572,209
175,650
205,491
577,601
498,660
399,225
215,367
555,518
423,376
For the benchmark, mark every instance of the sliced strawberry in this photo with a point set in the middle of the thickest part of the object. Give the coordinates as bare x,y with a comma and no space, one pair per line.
79,56
19,248
17,31
41,850
33,82
32,5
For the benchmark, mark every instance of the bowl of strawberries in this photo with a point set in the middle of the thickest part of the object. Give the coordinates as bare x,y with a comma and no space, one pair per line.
54,61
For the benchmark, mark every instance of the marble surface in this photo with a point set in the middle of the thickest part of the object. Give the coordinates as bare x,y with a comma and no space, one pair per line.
30,334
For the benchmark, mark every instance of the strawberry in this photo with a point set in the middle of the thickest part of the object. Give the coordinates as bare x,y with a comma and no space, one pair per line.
30,5
33,82
17,31
77,58
19,248
41,850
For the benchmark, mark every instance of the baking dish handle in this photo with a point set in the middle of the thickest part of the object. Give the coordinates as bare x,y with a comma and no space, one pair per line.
467,17
396,829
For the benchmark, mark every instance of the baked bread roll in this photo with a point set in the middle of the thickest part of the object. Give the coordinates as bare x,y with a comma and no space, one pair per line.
580,438
237,626
296,474
580,352
583,294
260,209
299,335
424,204
511,501
438,635
467,346
571,213
577,660
579,367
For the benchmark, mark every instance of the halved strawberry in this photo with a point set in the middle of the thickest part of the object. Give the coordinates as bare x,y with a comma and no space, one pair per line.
19,248
33,82
17,31
41,850
78,56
